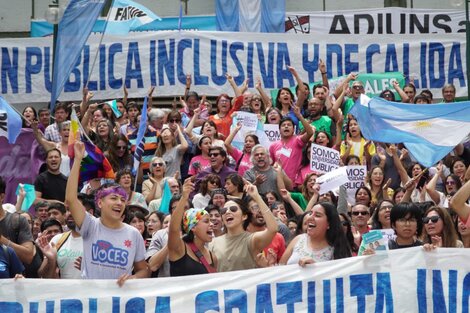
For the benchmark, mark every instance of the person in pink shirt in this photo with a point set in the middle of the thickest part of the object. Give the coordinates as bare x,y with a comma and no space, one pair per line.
288,150
242,158
201,160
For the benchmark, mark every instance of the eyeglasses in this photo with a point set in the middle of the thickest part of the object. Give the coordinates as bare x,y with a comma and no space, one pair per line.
255,208
157,164
213,182
433,219
232,208
450,183
174,121
256,99
385,207
356,213
214,154
357,87
121,147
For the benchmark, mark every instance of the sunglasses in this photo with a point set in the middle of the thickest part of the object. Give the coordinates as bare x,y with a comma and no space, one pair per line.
121,147
356,213
213,182
232,208
157,164
357,87
450,183
433,219
174,121
214,154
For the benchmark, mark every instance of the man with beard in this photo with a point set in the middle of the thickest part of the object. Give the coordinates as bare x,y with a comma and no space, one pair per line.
317,119
62,254
262,174
257,223
50,185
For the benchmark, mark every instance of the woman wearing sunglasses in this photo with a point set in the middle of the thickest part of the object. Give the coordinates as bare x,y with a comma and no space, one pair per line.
118,154
152,188
439,229
208,184
452,185
188,254
237,249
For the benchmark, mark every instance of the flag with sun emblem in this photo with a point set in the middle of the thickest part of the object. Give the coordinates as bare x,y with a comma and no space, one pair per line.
428,131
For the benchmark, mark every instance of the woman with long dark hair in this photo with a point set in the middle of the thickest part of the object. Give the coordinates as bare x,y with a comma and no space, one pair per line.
242,158
324,240
118,153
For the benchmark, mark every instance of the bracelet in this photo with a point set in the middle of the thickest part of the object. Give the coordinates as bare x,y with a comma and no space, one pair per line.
323,73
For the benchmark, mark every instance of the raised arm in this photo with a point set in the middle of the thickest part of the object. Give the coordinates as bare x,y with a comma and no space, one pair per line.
87,95
47,145
303,90
324,76
189,128
287,198
150,97
345,84
188,85
459,202
234,86
125,94
183,142
76,208
263,238
264,97
431,186
175,243
233,133
398,165
404,97
309,129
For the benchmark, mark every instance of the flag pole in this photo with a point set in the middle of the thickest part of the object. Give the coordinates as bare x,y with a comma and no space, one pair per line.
99,44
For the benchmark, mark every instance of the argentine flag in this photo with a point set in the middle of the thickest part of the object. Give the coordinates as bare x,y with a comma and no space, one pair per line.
127,15
266,16
10,121
428,131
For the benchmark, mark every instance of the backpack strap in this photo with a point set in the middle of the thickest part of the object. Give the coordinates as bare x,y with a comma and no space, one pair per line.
62,240
201,257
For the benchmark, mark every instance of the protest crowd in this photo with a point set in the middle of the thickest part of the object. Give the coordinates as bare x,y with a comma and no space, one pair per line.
190,198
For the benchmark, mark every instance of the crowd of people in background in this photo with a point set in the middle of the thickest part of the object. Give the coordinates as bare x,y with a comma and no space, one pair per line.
229,208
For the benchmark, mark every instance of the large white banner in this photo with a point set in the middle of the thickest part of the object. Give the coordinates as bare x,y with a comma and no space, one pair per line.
380,21
164,58
409,280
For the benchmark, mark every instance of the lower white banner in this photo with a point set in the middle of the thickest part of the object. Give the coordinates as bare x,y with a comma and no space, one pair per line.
407,280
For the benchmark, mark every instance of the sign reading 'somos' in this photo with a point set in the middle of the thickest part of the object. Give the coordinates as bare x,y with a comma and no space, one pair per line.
323,159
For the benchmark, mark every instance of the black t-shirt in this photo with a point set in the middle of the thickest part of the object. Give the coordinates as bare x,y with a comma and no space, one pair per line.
18,235
392,244
51,186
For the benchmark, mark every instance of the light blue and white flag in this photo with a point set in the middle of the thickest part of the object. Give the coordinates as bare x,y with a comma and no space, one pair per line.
429,132
266,16
139,143
10,121
127,15
113,105
74,29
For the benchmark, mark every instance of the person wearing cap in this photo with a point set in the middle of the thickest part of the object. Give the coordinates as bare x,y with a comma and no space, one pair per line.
188,255
111,249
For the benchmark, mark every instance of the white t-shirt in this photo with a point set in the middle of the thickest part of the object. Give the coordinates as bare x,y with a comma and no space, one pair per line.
108,253
70,250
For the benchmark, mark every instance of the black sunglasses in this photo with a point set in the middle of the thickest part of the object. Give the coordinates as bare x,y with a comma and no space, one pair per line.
433,219
232,208
174,121
157,164
214,154
356,213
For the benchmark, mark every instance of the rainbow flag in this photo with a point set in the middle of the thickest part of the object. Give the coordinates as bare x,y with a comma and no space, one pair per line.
95,164
74,133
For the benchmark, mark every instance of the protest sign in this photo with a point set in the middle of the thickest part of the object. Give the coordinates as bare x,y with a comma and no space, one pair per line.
356,179
323,159
412,280
249,122
332,180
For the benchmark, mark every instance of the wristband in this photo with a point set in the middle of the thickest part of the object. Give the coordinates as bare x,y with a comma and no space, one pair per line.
323,73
